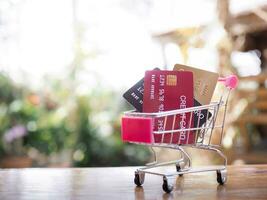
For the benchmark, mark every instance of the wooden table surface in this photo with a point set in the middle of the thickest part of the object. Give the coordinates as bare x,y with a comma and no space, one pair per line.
244,182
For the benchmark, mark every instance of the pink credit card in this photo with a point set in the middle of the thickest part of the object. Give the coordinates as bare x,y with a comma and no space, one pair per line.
170,90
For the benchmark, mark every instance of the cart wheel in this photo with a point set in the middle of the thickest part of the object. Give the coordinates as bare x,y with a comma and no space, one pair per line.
166,186
221,176
139,178
178,169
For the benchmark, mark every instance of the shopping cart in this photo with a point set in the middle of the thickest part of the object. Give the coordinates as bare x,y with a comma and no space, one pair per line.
208,136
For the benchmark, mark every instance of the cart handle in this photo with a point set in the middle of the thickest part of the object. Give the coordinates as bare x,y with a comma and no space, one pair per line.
229,81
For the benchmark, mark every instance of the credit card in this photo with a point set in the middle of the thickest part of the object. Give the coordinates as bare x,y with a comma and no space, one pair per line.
204,86
134,95
201,116
170,90
204,82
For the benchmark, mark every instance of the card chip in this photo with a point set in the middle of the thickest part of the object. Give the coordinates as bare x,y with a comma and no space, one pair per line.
171,80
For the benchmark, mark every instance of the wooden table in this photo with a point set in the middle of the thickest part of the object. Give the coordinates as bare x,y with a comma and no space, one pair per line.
244,182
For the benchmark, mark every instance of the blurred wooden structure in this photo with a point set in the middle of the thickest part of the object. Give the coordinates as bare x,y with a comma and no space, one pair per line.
248,31
183,37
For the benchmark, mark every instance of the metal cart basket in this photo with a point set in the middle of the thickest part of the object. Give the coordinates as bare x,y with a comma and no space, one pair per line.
208,136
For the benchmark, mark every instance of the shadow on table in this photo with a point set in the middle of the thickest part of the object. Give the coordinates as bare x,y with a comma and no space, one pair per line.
140,193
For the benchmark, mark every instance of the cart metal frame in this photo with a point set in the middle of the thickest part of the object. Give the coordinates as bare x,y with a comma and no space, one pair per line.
204,140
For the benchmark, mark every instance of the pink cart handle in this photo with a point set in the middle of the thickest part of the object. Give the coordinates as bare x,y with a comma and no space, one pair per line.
230,82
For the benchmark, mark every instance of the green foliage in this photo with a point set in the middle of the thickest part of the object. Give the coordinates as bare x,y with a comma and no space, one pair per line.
95,150
58,119
46,132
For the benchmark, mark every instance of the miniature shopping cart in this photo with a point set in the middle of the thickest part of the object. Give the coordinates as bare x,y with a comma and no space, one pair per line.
138,129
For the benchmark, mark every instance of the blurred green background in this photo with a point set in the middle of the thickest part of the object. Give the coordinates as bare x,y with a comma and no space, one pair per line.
56,128
64,65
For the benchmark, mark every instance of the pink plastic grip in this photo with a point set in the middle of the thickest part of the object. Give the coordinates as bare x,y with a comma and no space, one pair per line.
137,129
230,82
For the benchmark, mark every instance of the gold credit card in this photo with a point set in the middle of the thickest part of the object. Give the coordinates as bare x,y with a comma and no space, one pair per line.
204,82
